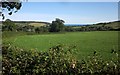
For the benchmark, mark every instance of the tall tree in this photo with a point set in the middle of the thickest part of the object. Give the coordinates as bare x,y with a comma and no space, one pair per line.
57,25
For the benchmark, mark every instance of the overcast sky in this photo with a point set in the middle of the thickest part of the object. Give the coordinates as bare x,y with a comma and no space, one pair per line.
70,12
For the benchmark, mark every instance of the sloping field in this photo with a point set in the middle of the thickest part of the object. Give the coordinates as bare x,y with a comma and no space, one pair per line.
114,25
32,23
86,42
37,24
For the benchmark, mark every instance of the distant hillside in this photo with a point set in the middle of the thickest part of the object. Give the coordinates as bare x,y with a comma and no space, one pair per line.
109,26
114,25
32,23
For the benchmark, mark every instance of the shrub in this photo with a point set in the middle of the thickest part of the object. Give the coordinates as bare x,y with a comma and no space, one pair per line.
59,60
16,60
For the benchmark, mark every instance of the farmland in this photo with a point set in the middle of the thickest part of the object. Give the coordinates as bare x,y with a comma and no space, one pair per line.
86,42
50,38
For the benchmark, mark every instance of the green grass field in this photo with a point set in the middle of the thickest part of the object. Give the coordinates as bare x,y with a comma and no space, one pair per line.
85,42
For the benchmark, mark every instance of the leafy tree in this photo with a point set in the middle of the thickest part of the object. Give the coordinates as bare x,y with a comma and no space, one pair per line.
9,25
37,30
57,25
10,5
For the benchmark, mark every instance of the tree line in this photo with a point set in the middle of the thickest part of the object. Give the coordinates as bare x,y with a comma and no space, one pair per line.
56,26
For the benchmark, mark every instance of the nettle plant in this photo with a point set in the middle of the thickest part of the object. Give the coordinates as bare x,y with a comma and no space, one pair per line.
59,60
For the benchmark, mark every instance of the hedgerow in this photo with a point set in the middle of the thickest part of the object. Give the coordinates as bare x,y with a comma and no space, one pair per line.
58,60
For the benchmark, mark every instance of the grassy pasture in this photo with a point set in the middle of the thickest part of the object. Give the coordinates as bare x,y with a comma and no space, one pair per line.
85,42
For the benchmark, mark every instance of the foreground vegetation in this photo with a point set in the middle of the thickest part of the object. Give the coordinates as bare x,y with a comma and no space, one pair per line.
58,60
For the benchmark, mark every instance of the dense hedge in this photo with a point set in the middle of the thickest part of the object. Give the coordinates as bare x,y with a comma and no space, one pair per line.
59,60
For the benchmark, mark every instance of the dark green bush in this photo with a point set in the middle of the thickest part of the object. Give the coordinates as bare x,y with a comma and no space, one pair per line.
16,60
59,60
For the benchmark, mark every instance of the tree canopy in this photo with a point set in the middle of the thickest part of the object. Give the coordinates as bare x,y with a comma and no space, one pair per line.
10,5
57,25
8,25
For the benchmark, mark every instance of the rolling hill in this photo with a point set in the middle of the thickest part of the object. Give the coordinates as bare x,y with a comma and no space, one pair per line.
114,25
32,23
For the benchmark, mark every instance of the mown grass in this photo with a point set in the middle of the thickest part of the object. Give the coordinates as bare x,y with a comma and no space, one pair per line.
86,42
